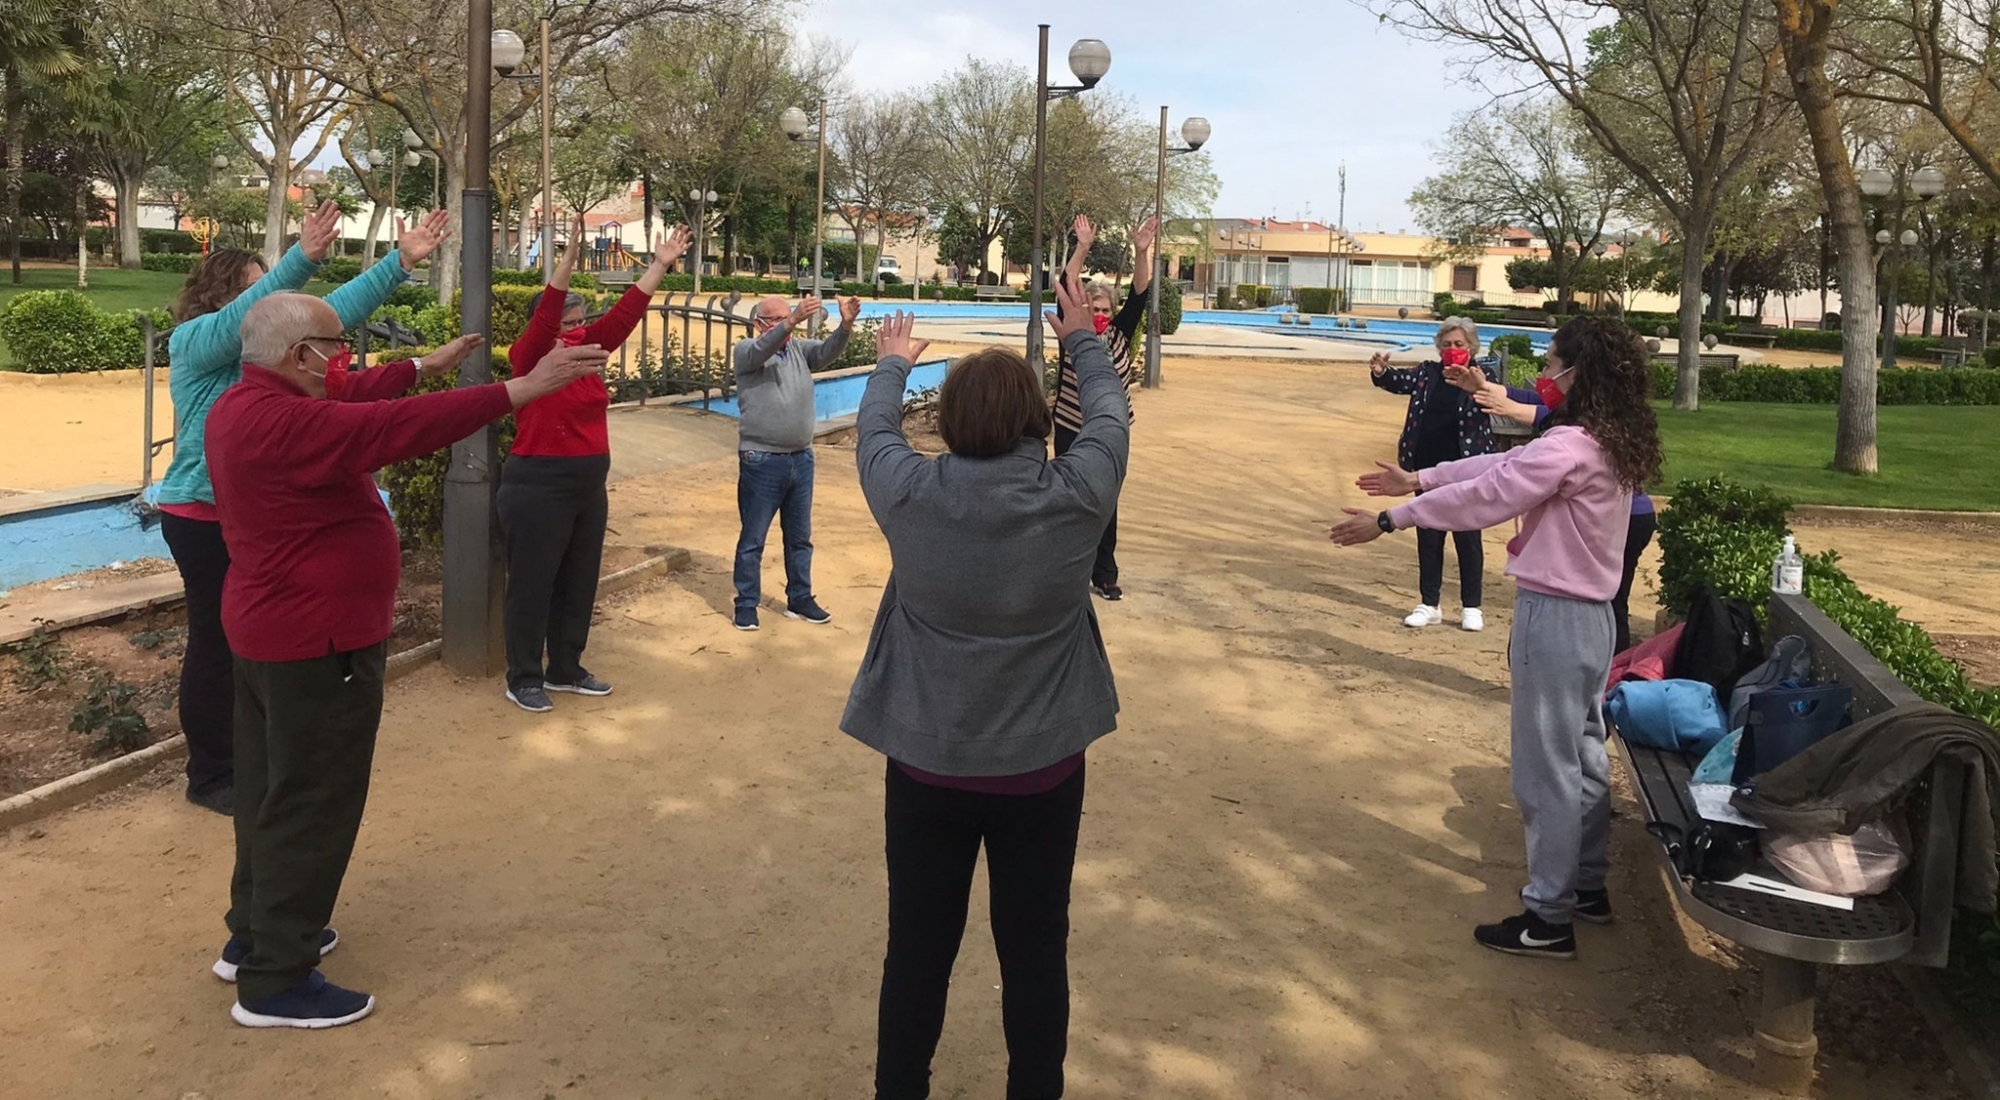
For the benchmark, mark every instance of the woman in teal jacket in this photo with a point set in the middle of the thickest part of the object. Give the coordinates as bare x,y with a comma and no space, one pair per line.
205,350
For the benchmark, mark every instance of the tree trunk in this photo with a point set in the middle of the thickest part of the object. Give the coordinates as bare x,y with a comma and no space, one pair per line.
1803,27
1687,375
17,131
1930,288
1986,259
277,198
374,235
126,184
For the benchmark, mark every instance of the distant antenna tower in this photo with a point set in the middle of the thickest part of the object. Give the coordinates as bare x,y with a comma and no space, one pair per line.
1343,196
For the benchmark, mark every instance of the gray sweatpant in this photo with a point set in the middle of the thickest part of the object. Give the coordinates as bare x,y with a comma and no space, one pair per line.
1560,654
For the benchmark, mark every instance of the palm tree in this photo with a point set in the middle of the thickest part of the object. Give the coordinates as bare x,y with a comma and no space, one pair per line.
39,40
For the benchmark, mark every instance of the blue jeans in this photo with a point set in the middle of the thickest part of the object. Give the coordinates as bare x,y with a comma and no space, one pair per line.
779,485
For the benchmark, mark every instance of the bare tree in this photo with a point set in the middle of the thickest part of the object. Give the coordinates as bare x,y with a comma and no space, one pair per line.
1678,92
1939,56
878,145
1521,165
980,124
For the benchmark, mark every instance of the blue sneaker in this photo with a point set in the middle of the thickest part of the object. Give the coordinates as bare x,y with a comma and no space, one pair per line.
810,611
238,949
746,618
313,1003
586,684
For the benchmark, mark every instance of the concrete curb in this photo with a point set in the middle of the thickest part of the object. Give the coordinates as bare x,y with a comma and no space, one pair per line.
104,778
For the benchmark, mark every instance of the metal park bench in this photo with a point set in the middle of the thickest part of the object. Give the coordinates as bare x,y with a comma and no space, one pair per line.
989,293
1531,317
1910,923
1727,360
1751,336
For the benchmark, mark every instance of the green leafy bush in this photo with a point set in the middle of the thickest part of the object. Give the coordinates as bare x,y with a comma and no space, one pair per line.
109,710
1316,299
1444,304
1173,302
414,295
177,263
64,332
167,240
336,271
510,313
1821,385
1993,356
416,487
1225,297
581,281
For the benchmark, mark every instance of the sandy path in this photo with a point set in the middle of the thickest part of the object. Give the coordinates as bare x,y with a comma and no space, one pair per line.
678,892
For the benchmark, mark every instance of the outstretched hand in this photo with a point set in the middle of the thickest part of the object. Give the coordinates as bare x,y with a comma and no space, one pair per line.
418,243
447,358
1387,481
669,249
850,309
1086,233
895,338
557,369
1144,236
1072,312
807,309
1378,363
1466,377
1495,402
1359,527
318,232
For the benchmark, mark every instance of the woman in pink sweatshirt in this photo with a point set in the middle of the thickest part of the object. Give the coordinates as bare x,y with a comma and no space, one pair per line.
1571,487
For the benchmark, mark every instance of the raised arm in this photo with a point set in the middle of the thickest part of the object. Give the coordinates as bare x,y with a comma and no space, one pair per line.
1086,236
1143,239
752,354
357,299
1095,462
667,251
820,355
612,330
882,454
1394,379
392,380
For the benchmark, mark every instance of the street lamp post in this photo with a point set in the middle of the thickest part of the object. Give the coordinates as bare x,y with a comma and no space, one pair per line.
1195,132
1339,235
795,124
701,199
1089,60
508,53
474,578
917,266
1926,184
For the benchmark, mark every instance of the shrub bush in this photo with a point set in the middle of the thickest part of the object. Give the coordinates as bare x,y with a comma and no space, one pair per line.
1316,299
413,295
416,487
578,281
1225,297
1173,303
1444,304
167,240
746,285
178,263
1264,296
64,332
510,313
1514,344
1821,385
1993,356
336,271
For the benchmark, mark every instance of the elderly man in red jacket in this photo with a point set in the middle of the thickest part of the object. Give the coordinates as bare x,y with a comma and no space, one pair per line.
308,606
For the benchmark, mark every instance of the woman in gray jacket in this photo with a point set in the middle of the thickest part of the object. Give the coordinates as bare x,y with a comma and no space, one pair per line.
985,680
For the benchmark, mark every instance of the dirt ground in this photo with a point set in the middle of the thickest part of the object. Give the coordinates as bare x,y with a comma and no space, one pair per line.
678,891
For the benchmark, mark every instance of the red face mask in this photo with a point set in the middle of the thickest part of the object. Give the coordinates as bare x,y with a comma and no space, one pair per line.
570,338
1101,323
338,367
1550,393
1455,357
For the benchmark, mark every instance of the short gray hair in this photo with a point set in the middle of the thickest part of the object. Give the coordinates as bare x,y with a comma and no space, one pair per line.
1098,288
1464,325
570,301
275,324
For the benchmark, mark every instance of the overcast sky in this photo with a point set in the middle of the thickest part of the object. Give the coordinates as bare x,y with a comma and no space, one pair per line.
1293,89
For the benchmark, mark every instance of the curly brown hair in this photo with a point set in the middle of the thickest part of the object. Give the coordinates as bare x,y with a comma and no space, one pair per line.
215,282
1608,398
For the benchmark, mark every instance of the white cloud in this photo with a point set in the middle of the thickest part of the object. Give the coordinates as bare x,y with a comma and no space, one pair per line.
1292,91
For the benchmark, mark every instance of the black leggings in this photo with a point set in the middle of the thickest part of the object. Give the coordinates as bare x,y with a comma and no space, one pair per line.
553,511
1103,571
1638,534
208,670
934,834
1471,566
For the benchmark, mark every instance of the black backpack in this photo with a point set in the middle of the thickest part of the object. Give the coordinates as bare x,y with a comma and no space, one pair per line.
1720,643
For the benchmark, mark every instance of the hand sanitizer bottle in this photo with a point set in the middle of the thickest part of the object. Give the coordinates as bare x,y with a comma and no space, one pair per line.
1788,572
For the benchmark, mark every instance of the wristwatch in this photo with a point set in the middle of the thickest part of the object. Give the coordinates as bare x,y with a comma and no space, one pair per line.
419,361
1383,521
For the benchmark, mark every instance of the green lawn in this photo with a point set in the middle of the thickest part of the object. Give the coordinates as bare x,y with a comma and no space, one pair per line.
111,288
1932,456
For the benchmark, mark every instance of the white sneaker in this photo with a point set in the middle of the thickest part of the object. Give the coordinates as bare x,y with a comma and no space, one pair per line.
1424,615
1473,619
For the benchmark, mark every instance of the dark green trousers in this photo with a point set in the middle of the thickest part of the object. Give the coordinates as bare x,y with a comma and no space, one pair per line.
305,742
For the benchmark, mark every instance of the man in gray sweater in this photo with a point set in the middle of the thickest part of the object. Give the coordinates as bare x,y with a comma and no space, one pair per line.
774,392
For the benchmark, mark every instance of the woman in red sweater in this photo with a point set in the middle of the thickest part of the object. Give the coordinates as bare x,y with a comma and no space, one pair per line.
552,490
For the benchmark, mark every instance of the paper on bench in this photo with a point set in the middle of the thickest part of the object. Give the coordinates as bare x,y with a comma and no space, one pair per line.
1760,884
1711,801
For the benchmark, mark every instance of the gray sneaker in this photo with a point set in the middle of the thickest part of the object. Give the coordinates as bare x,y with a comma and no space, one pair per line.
586,684
531,698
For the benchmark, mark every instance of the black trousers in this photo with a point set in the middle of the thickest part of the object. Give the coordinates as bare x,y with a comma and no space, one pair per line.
1105,570
208,671
1471,566
1638,534
934,834
305,741
553,511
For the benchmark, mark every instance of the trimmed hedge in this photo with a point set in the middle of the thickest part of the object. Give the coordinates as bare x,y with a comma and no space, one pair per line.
510,313
336,271
1719,533
1821,385
64,332
1173,301
1319,299
507,276
178,263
